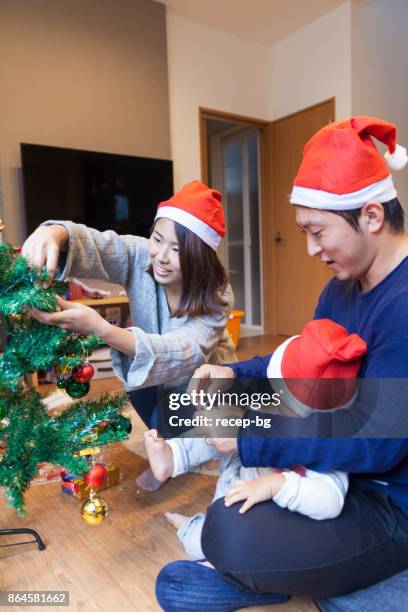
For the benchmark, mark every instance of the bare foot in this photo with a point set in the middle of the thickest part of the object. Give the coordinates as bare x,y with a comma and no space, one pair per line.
159,454
148,482
175,519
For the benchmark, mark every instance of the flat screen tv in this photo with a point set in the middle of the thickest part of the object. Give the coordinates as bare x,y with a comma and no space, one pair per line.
102,190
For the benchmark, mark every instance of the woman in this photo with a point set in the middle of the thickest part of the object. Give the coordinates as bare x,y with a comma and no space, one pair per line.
178,293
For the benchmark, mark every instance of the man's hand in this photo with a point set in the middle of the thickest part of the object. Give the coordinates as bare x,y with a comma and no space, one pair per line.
211,379
254,491
42,248
77,318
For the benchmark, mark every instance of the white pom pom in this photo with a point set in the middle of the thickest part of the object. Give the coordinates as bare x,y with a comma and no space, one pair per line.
398,159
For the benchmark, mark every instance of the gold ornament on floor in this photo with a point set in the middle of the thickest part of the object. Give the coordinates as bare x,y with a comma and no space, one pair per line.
94,510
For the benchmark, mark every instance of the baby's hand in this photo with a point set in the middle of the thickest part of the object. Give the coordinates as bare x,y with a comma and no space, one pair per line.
254,491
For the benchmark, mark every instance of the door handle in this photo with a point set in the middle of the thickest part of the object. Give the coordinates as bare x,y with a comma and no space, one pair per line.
278,238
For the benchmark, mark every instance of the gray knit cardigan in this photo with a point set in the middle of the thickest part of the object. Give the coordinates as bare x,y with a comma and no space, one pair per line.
167,349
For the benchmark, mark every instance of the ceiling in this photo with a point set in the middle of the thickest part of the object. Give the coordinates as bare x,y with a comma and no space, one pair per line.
262,21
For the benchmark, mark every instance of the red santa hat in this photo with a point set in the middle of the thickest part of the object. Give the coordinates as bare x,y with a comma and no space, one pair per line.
318,369
342,168
199,209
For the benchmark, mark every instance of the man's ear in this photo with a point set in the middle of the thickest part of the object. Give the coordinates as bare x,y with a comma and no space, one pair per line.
372,216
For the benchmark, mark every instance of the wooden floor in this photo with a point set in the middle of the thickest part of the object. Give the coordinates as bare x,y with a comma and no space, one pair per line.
258,345
113,566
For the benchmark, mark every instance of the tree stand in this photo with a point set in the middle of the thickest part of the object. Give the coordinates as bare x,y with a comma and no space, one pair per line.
37,538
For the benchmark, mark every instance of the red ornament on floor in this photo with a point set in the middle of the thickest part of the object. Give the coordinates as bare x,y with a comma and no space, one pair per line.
97,476
83,373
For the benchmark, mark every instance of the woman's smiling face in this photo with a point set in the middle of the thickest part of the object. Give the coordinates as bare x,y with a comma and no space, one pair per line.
164,253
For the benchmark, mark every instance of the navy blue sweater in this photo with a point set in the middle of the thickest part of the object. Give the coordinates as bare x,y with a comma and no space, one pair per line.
380,317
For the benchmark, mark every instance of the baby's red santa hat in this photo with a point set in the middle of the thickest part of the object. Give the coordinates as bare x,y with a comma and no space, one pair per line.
318,370
342,168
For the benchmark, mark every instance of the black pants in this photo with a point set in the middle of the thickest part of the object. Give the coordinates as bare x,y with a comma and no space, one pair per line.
272,550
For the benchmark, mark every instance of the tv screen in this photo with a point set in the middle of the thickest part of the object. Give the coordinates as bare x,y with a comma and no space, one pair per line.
102,190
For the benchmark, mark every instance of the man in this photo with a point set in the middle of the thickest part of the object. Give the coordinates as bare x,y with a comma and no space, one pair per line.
347,206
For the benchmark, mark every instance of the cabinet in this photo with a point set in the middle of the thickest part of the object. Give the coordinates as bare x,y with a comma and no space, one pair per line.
107,305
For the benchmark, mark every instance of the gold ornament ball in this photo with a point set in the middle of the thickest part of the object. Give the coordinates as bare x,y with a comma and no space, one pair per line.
94,510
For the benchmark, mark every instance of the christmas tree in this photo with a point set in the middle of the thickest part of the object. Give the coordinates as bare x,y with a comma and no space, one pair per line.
29,435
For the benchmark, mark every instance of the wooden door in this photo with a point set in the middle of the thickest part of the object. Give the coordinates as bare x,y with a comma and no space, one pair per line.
292,280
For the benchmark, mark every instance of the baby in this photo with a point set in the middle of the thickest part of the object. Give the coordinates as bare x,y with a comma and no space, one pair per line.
324,350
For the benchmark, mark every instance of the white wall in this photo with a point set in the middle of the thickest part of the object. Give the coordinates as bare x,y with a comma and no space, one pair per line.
223,72
80,74
90,80
215,70
313,64
380,73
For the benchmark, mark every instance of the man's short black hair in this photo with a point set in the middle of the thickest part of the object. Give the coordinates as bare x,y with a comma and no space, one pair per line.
393,215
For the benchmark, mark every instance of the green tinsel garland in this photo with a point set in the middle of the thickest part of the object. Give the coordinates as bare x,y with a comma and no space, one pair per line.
28,434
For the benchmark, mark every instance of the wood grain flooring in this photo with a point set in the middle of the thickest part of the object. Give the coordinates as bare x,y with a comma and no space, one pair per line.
111,567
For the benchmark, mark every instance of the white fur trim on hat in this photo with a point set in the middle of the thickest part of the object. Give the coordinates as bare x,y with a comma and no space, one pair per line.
275,363
381,191
198,227
274,372
398,159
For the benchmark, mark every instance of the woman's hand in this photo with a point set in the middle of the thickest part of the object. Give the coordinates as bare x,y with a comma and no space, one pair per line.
43,246
83,320
77,318
254,491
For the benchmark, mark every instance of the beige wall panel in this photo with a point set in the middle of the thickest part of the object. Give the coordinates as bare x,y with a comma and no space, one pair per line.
86,74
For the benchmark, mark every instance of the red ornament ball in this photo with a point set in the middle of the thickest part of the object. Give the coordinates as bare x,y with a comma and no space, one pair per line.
97,476
83,373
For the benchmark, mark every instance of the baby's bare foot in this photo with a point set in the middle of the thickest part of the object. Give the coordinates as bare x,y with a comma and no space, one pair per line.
175,519
159,454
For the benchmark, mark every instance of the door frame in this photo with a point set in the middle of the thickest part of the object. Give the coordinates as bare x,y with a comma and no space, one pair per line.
267,217
241,136
202,116
247,122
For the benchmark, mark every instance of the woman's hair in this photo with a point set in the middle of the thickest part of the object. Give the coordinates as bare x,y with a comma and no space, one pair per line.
204,278
393,215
